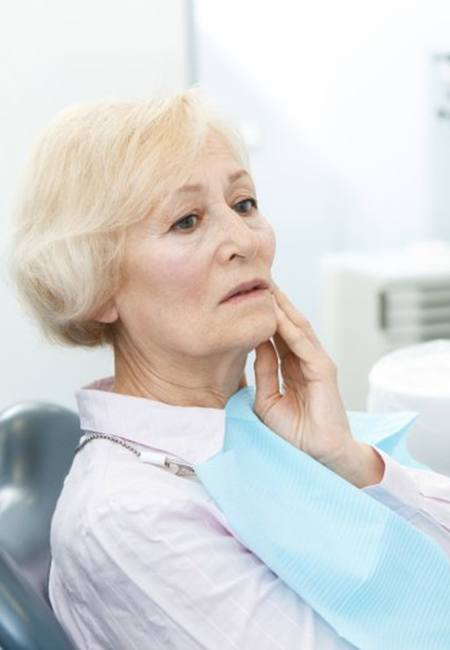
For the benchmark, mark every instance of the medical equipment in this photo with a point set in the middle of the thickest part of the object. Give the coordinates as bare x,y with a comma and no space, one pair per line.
418,378
37,441
176,466
374,303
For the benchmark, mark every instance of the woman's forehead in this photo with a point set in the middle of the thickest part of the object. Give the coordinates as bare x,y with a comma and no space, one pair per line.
230,176
216,156
222,165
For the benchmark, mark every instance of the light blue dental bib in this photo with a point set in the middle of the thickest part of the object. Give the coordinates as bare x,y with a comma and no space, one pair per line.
378,581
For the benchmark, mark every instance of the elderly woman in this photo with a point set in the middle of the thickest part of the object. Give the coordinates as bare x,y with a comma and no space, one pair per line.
140,229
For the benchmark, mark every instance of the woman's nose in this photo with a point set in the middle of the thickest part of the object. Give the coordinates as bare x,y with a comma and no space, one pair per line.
238,237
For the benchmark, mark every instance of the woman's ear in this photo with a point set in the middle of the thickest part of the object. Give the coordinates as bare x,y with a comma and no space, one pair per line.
107,313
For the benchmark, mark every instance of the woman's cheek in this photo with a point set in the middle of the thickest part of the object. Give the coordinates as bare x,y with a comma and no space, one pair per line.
186,275
268,242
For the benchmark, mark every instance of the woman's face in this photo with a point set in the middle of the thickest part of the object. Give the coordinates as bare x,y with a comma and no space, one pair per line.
201,241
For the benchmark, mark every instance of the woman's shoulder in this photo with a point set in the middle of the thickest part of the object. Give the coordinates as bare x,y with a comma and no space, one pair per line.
106,483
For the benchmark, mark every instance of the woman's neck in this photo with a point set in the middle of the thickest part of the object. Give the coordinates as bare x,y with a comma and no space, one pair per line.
204,386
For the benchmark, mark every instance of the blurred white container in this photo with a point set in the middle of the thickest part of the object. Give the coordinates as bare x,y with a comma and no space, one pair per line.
374,303
417,378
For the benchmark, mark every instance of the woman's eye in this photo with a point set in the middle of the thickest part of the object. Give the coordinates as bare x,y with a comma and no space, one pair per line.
243,207
246,205
185,220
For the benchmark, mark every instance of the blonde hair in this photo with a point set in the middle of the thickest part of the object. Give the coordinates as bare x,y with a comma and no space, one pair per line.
97,169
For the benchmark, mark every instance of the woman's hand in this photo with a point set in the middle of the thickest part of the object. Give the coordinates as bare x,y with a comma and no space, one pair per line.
309,413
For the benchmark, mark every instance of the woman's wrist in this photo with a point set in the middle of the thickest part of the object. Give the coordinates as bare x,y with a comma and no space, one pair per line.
358,464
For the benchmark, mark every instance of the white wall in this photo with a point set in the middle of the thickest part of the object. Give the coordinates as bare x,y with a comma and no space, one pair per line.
53,54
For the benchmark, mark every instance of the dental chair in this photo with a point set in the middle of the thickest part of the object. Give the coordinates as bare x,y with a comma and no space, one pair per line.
37,444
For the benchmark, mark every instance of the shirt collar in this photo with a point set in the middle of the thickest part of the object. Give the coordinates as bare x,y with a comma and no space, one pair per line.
193,433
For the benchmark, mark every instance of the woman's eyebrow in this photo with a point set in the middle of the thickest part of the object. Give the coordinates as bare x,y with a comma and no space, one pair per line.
232,178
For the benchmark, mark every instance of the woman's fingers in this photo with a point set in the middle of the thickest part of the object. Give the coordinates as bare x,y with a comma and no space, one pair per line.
293,314
295,337
281,346
266,374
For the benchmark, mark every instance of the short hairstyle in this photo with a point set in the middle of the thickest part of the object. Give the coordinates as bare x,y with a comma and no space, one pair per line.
97,169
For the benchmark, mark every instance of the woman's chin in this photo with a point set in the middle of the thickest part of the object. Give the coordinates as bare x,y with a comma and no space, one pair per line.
261,330
242,334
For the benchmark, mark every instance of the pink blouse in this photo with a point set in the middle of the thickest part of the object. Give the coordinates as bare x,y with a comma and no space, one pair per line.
143,558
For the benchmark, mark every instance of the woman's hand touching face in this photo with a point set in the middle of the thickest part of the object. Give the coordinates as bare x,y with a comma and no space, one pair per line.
309,413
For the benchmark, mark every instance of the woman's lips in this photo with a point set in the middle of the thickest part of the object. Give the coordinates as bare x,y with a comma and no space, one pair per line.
256,283
240,297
